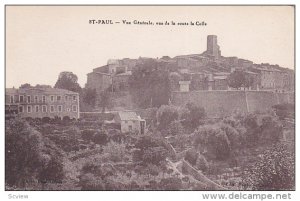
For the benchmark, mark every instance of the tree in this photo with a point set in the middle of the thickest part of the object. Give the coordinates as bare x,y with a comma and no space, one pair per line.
24,86
192,116
202,163
275,170
191,156
150,150
115,151
236,79
165,115
104,99
68,80
239,79
29,157
271,130
175,128
212,141
88,100
149,84
174,79
101,137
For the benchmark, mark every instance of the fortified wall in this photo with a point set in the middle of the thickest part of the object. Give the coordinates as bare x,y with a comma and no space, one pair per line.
220,103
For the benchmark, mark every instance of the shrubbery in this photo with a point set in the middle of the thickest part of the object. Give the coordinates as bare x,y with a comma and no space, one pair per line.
30,158
275,170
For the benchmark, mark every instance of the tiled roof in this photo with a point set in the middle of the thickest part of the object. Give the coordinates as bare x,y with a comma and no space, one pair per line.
128,116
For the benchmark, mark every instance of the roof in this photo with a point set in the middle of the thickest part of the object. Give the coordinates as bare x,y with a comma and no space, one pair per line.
123,74
124,116
220,77
269,70
39,90
184,82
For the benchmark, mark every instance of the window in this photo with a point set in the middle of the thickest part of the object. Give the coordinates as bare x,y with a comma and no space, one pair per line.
29,108
44,99
59,108
36,108
35,99
51,108
126,122
58,98
28,99
11,99
74,98
130,128
74,108
21,109
68,110
21,98
44,108
52,98
66,98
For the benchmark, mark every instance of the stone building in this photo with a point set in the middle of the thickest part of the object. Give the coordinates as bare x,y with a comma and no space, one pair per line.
130,122
114,75
272,79
98,81
213,49
36,102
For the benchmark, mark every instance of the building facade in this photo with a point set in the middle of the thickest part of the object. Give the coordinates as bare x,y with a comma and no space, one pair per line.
130,122
42,102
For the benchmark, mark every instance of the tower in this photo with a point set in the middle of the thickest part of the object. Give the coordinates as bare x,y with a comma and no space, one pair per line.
213,48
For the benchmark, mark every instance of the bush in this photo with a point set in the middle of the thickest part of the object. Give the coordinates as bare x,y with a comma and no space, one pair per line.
150,150
175,128
212,141
30,157
171,183
191,156
275,170
88,135
165,115
202,163
192,116
100,138
116,151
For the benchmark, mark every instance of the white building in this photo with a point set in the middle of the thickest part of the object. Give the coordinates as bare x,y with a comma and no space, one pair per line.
130,122
184,86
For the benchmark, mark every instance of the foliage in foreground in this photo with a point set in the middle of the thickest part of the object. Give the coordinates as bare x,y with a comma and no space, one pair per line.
275,170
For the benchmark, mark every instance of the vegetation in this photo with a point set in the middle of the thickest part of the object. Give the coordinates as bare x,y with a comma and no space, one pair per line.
149,84
275,170
241,151
30,158
68,80
239,79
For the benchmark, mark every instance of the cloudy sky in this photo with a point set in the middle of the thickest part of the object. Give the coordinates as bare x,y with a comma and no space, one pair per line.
42,41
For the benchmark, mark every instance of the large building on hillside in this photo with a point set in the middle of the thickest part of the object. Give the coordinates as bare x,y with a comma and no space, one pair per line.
113,76
35,102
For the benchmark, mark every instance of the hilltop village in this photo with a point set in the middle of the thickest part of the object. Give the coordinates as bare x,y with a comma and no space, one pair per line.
192,122
206,71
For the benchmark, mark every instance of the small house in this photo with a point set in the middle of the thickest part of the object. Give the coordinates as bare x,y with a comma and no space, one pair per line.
184,86
130,122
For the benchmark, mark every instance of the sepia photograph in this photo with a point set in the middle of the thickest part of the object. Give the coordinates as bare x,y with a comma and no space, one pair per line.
149,98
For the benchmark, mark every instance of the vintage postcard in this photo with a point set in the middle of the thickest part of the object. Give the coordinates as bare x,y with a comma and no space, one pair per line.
150,98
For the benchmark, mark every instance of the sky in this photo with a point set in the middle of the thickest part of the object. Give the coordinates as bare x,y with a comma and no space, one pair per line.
42,41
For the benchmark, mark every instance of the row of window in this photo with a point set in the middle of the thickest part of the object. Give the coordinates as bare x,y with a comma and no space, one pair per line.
23,98
44,108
